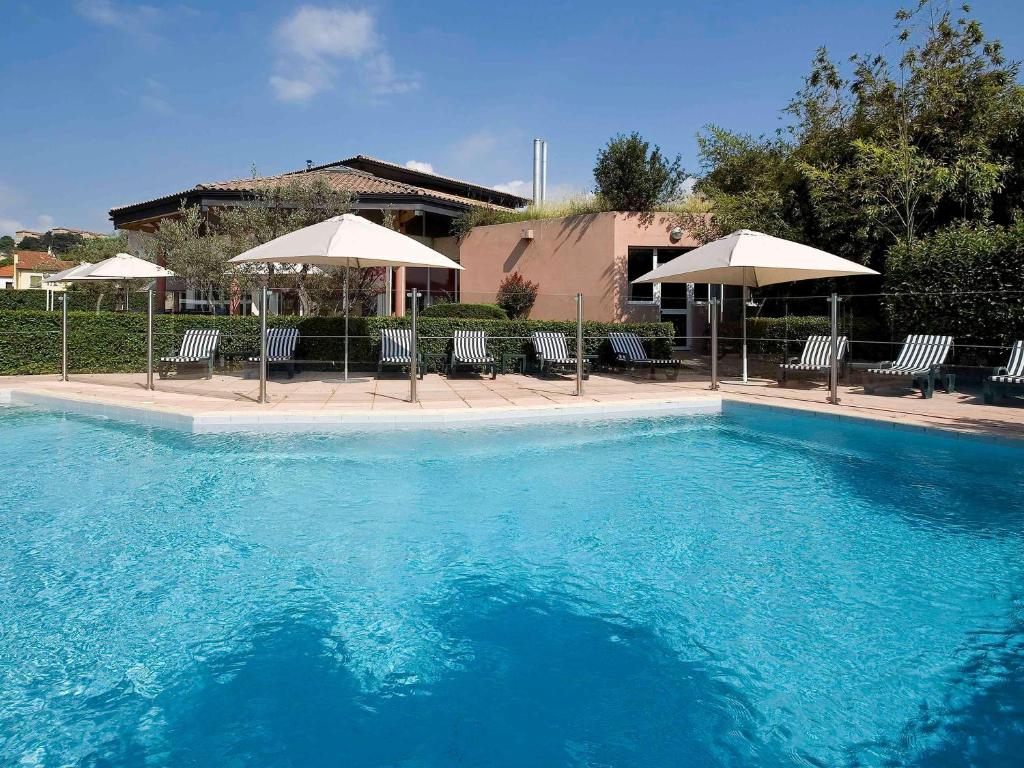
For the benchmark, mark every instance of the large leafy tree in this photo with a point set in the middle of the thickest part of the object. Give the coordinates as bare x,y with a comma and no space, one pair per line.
889,153
631,175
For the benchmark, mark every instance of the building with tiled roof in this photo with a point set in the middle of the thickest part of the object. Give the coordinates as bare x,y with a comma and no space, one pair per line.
423,205
375,185
31,267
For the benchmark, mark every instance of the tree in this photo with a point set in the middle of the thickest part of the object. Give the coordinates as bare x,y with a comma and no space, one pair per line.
892,152
31,244
6,245
197,256
274,208
92,251
517,295
631,176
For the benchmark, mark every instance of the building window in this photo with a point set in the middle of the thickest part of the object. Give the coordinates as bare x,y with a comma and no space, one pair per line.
35,281
639,262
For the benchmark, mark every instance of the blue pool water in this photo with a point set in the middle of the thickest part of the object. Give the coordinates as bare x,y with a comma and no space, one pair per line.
737,590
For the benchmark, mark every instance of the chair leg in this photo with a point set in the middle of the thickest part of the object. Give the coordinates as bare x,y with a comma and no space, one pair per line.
950,381
928,388
987,392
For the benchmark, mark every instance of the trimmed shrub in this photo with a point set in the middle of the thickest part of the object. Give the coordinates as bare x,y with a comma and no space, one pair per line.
466,311
36,299
765,333
964,281
517,295
115,342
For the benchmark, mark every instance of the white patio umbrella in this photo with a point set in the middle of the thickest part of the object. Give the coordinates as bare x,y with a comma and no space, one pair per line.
346,241
121,267
752,260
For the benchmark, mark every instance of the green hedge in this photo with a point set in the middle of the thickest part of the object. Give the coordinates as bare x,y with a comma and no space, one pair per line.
115,342
796,328
466,311
36,299
965,281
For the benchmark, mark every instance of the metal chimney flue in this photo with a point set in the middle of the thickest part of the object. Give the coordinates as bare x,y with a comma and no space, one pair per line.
540,171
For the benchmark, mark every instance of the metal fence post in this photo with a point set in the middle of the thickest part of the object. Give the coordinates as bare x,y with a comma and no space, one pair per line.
149,340
263,345
579,345
833,374
64,336
413,347
714,343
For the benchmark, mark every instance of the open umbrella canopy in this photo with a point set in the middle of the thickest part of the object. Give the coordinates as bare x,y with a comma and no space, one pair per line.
347,240
753,259
123,266
68,275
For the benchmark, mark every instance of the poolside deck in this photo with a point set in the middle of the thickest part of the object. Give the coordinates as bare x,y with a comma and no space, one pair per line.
310,398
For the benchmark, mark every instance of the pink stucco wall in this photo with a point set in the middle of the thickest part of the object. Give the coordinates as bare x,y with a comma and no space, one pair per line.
584,254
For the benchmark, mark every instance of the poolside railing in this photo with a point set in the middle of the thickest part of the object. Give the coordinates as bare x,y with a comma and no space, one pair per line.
704,331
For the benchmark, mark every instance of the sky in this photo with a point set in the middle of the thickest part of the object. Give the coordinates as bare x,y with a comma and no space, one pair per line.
110,102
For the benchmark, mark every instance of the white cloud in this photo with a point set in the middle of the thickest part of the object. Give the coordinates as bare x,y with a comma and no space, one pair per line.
154,98
9,226
313,41
416,165
516,187
133,19
45,222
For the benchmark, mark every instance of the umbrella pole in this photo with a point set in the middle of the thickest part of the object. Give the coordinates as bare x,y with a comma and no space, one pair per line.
345,299
746,294
149,340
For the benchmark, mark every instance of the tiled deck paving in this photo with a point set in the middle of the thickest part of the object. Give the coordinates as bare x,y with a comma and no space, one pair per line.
327,396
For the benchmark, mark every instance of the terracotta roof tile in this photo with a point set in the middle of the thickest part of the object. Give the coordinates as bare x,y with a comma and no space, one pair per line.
41,261
7,270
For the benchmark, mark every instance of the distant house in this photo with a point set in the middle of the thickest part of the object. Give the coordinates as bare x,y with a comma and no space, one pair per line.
85,234
424,206
21,234
31,267
7,277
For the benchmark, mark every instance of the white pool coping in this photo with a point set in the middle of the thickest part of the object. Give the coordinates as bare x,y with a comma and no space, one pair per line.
297,421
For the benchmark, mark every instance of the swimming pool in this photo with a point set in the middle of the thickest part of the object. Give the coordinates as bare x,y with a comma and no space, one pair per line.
744,589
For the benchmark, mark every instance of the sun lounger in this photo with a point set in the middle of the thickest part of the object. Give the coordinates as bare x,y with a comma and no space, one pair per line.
395,350
921,361
552,354
1009,378
630,354
469,349
281,344
198,347
816,358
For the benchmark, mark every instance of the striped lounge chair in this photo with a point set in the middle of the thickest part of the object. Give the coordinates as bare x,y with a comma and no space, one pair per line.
198,347
816,358
281,344
1010,377
921,361
395,350
552,353
630,354
469,349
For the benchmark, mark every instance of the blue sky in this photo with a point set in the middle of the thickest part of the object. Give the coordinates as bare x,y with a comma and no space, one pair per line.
110,102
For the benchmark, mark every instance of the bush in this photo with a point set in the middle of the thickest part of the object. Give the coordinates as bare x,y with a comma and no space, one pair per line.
36,299
983,264
517,295
466,311
765,333
116,342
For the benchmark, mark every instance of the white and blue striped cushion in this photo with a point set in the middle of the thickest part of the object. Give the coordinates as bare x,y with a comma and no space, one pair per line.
627,347
550,347
920,354
197,345
1014,370
817,354
281,343
471,347
396,346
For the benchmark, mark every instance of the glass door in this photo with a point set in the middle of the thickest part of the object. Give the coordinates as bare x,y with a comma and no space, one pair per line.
676,299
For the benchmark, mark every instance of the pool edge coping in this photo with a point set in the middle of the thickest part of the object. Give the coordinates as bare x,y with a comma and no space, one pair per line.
267,422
